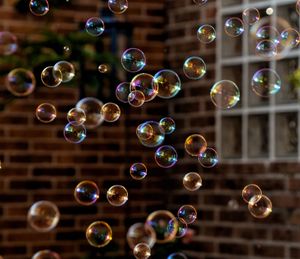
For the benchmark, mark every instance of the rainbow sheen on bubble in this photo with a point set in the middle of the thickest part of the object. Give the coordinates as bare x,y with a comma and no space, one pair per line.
103,68
133,60
138,171
43,216
168,124
46,254
99,234
117,195
8,43
117,6
225,94
20,82
265,82
179,226
74,133
208,158
144,131
66,69
39,7
46,112
50,77
251,16
266,49
260,206
140,233
86,193
94,26
177,256
157,137
234,27
122,92
195,144
76,116
194,68
142,251
110,112
290,38
206,33
192,181
250,191
167,82
159,222
144,82
187,213
166,156
136,98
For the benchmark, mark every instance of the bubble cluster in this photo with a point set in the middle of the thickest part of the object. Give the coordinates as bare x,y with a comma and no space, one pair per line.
187,214
45,254
138,171
94,26
142,251
206,33
117,195
74,133
208,158
117,6
234,27
99,234
194,68
140,233
50,77
251,16
86,193
110,112
76,116
260,206
192,181
39,7
43,216
66,69
8,43
136,98
133,60
122,92
195,144
46,112
250,191
168,124
166,156
144,82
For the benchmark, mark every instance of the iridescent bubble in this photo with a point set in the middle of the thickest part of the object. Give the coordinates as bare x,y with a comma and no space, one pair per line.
98,234
225,94
187,213
177,256
20,82
268,33
234,27
200,2
45,254
265,82
144,83
136,98
50,77
206,33
74,133
166,156
117,195
208,158
66,69
122,92
192,181
43,216
144,131
260,206
168,124
179,226
39,7
111,112
290,38
76,116
195,144
142,251
92,108
138,171
266,49
8,43
251,16
94,26
194,68
157,137
46,112
117,6
103,68
168,83
86,193
133,60
250,191
140,233
159,221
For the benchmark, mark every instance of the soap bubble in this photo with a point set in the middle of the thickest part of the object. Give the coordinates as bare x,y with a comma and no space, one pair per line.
208,158
76,116
98,234
103,68
265,82
67,51
260,207
118,6
117,195
86,193
250,191
138,171
45,254
144,83
43,216
200,2
66,69
8,43
50,77
168,124
92,108
251,16
290,38
206,33
234,27
167,82
192,181
136,98
46,112
111,112
187,213
225,94
195,144
177,256
39,7
122,92
157,137
94,26
74,133
20,82
194,68
142,251
268,33
159,221
133,60
179,226
266,49
166,156
140,233
144,131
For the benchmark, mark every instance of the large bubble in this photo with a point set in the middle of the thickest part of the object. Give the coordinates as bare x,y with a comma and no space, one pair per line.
99,234
46,112
144,82
66,69
39,7
140,233
94,26
194,68
117,195
206,33
166,156
133,60
50,77
74,133
86,193
117,6
157,135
